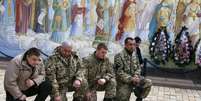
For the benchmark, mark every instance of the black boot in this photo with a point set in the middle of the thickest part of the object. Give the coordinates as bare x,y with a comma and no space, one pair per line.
139,99
109,99
78,99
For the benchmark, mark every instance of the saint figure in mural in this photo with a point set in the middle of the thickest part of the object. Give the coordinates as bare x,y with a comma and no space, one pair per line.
90,18
41,16
146,10
50,15
7,22
102,27
60,22
78,13
114,14
191,20
8,16
23,16
182,4
164,17
127,21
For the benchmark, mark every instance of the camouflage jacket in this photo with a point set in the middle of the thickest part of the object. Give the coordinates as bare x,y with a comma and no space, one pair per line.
96,69
127,66
61,71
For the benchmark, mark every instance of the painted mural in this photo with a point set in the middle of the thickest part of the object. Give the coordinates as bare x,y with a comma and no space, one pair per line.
169,29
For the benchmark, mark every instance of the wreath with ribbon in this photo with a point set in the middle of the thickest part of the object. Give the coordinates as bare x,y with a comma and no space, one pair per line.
160,46
182,50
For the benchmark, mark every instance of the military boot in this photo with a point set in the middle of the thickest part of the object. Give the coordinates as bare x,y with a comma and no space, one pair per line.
109,99
139,99
78,99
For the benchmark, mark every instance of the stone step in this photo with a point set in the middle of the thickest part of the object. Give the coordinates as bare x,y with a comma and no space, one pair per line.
177,83
189,80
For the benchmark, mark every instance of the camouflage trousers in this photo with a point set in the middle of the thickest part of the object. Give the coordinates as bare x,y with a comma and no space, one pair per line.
78,93
141,91
109,88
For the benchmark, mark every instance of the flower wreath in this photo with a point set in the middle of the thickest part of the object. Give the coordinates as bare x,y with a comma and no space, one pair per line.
160,46
182,50
198,54
199,58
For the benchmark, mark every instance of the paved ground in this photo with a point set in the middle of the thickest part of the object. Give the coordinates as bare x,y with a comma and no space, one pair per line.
158,93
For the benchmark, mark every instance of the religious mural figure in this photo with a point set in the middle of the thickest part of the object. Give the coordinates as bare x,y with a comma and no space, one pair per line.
127,21
33,14
182,4
102,27
7,18
41,16
7,21
60,22
146,10
9,13
78,13
50,15
23,16
90,18
115,12
164,17
191,20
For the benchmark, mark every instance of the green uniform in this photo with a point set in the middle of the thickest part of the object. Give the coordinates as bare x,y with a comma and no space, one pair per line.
96,69
62,72
127,66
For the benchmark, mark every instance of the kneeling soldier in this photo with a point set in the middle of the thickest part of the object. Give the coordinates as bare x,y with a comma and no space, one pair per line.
65,72
128,74
100,74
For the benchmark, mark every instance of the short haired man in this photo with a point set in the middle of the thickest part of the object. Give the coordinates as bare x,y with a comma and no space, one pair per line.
139,55
64,70
25,76
128,74
100,74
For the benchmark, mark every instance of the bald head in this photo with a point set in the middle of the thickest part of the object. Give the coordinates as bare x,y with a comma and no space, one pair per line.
66,49
66,44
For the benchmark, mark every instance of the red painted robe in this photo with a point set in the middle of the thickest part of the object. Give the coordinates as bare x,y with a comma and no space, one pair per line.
23,15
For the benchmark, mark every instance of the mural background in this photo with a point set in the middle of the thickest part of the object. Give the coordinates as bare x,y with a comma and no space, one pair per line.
46,23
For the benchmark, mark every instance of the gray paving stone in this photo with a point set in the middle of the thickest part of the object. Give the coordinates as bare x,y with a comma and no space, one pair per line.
158,93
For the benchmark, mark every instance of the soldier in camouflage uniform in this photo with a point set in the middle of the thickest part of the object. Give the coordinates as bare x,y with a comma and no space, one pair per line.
100,74
65,71
128,74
